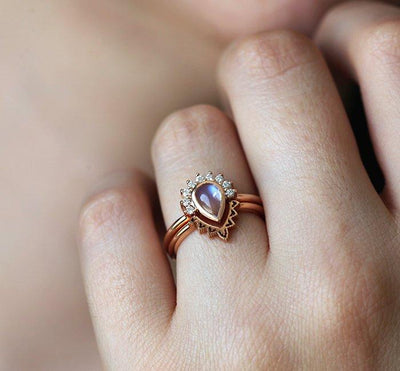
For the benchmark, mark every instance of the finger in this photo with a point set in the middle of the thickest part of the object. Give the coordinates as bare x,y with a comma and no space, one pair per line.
128,281
364,37
297,139
198,140
231,18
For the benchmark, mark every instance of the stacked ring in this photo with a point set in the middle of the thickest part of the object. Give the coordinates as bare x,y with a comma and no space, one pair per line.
210,204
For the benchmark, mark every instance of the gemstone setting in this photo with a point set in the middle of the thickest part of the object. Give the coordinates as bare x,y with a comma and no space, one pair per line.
209,200
210,203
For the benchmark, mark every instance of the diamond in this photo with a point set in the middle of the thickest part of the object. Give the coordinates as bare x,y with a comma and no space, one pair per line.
219,178
191,184
190,210
209,176
200,178
230,193
186,202
186,193
226,184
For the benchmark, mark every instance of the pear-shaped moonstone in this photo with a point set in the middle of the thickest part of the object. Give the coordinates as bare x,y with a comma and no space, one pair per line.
209,198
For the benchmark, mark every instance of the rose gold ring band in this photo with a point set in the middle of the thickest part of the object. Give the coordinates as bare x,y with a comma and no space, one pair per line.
185,225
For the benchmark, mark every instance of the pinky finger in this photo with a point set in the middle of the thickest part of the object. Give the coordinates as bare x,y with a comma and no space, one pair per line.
128,280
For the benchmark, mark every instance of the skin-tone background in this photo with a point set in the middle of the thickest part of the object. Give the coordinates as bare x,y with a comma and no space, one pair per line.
84,85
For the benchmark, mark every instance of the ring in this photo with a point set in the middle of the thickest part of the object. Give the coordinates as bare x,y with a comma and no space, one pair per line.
209,204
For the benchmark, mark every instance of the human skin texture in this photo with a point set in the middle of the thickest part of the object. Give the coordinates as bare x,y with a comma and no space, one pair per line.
84,85
314,286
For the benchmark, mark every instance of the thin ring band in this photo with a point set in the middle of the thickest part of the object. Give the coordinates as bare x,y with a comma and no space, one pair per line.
179,223
183,220
184,226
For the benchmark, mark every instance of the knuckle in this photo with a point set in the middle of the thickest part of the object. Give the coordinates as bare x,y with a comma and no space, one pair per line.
181,129
103,209
106,212
381,42
271,54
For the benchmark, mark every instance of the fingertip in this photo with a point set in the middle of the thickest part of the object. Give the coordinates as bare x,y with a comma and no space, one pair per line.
251,61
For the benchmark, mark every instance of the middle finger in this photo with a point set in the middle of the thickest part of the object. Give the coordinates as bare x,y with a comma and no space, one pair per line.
298,141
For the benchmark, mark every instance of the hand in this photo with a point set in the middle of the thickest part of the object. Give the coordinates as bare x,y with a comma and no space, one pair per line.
316,286
84,85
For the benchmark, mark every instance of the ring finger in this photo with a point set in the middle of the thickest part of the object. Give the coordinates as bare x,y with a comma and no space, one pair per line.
198,140
299,144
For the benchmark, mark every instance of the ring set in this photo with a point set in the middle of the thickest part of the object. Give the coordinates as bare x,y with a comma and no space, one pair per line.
210,204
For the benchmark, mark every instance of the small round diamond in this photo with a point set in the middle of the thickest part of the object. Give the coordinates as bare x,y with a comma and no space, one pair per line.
186,202
219,178
200,178
186,193
191,184
230,193
209,176
190,210
226,184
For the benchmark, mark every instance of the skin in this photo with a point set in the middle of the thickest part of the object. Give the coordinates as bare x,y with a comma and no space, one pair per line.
315,286
84,85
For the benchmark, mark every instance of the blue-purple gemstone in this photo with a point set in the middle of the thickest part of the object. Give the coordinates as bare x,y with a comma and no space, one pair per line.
210,200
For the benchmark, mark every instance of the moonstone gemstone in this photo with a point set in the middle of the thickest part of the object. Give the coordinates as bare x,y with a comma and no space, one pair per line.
209,198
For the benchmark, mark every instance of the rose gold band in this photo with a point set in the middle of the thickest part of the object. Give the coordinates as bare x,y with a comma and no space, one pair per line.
183,226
